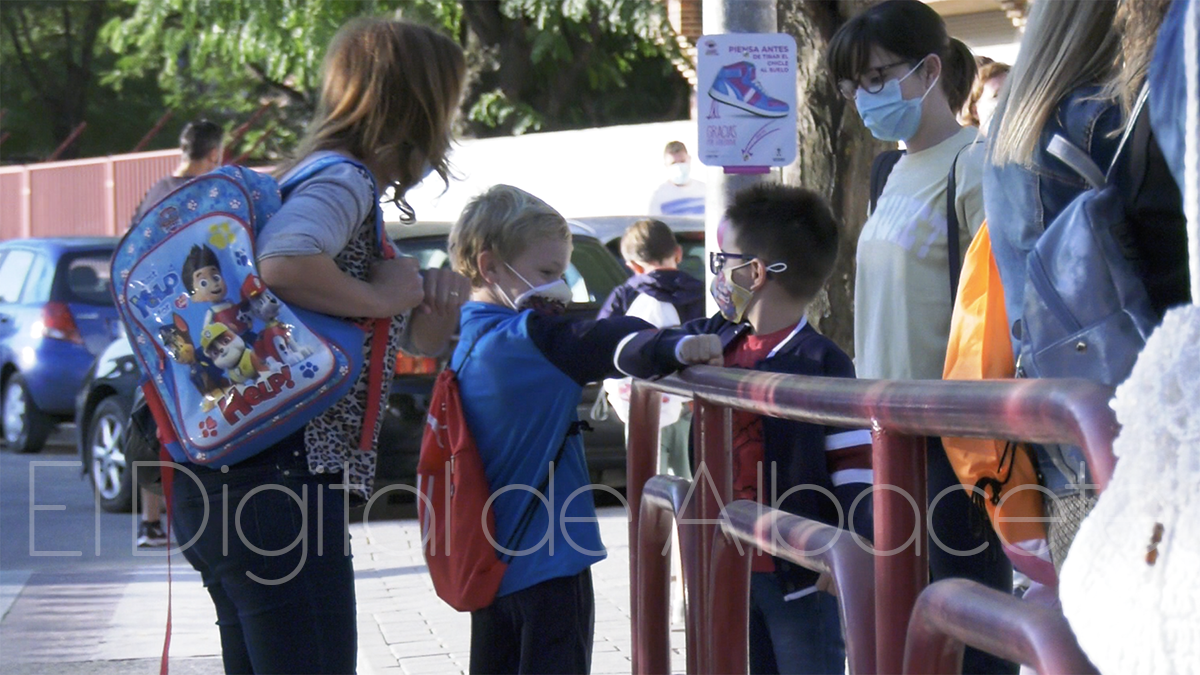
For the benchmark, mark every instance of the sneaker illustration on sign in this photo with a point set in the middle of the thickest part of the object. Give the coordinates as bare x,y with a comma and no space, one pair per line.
736,85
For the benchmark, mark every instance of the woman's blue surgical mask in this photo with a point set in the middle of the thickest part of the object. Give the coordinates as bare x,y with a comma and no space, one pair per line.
888,115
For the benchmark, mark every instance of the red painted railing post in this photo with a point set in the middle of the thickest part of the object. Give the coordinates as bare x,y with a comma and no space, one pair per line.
652,593
729,608
641,463
956,612
666,502
901,561
712,490
819,547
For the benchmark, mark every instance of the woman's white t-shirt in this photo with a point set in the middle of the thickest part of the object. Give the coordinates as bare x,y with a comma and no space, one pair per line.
902,300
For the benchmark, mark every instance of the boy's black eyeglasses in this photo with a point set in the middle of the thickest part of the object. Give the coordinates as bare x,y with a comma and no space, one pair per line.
716,259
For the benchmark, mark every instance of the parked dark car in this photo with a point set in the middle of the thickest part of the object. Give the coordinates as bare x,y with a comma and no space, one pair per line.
592,275
56,316
101,418
689,232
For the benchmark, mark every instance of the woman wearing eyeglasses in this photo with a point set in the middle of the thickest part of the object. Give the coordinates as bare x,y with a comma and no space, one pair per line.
897,66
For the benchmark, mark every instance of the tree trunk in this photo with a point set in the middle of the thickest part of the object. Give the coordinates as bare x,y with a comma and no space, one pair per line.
835,151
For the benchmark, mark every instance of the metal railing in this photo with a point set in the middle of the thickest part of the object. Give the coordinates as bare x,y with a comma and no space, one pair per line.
900,416
952,612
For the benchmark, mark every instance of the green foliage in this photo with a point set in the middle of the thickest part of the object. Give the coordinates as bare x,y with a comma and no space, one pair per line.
50,54
574,55
534,64
494,110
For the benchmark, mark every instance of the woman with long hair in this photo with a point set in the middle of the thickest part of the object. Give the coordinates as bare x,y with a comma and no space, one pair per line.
897,65
283,585
1080,68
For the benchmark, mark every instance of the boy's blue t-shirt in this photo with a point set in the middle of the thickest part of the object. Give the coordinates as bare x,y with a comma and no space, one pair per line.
519,407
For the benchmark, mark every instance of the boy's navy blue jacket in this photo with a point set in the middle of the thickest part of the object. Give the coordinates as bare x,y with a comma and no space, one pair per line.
521,387
798,450
674,287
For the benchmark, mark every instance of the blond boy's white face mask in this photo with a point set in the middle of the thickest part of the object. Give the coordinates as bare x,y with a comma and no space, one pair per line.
550,298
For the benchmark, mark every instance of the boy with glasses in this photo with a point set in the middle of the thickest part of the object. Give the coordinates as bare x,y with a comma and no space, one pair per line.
777,248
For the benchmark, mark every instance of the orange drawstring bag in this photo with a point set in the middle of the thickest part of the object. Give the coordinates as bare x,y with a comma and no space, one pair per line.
1000,475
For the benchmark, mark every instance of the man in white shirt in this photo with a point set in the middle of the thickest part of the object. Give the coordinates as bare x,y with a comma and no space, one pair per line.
679,195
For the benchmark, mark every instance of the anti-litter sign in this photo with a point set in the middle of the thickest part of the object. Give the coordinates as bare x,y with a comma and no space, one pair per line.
746,100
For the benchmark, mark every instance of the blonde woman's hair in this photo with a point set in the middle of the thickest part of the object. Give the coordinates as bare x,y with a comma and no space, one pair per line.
389,93
504,220
1068,44
1138,22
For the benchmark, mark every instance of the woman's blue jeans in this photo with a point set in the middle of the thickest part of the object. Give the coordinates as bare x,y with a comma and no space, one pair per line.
274,554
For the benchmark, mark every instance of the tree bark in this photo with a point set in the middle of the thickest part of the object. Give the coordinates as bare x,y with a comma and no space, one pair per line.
834,153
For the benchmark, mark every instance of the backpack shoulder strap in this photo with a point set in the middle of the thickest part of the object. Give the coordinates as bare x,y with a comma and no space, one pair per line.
1137,157
294,179
1079,161
320,164
478,336
881,168
954,247
573,429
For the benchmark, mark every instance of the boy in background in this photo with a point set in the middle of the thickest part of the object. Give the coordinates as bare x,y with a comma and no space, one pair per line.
664,296
777,248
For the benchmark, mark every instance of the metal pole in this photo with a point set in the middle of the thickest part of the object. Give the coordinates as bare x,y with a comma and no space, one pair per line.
641,463
730,16
236,135
713,489
67,143
141,145
901,562
265,134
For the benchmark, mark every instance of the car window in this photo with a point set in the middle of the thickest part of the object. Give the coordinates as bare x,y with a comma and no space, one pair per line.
428,252
38,281
87,279
693,258
13,270
593,272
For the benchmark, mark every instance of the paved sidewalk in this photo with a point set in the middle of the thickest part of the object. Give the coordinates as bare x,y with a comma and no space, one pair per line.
405,628
111,623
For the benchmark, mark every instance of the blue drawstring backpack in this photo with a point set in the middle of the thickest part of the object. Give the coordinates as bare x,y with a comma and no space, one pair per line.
228,368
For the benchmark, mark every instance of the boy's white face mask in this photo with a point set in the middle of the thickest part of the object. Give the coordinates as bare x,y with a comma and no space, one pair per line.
551,298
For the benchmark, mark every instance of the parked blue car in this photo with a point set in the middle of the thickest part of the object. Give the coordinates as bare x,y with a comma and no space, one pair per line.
56,316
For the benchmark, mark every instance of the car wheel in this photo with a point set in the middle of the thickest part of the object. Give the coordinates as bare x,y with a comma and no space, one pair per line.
110,478
25,427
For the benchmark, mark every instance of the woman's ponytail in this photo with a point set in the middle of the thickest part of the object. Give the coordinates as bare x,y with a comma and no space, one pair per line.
958,74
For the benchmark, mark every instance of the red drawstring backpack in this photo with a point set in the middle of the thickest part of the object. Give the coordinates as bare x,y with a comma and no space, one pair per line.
457,534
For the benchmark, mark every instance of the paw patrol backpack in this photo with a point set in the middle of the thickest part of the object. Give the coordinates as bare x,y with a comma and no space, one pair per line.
228,368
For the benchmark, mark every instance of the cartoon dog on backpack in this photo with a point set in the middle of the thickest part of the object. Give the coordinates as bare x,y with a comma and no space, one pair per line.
208,379
229,352
275,341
